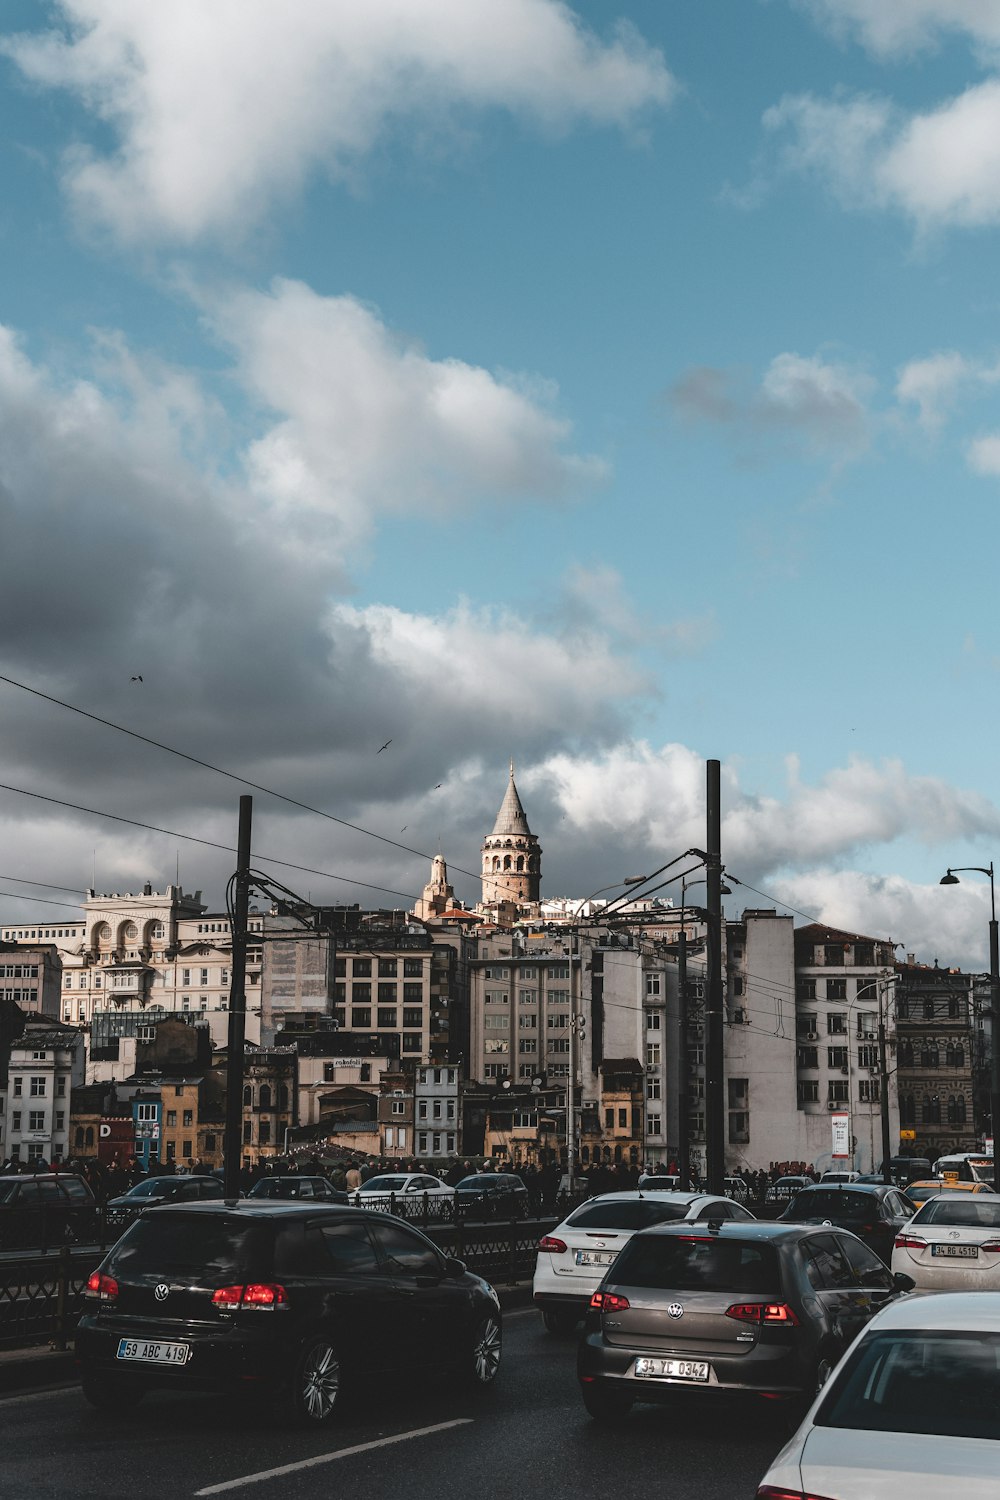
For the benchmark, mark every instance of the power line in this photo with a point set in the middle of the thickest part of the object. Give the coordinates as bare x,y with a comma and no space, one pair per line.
191,838
41,900
42,885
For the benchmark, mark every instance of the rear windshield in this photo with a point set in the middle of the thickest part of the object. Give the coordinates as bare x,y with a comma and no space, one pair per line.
969,1210
626,1215
697,1264
834,1202
201,1247
7,1188
384,1185
156,1187
942,1383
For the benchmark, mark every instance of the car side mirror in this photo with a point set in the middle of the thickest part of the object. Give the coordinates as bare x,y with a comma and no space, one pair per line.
455,1267
902,1282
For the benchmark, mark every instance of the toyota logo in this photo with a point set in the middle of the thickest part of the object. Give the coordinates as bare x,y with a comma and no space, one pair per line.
162,1292
675,1310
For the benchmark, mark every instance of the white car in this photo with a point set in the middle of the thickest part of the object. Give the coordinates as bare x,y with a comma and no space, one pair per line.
840,1176
912,1409
407,1194
573,1259
952,1244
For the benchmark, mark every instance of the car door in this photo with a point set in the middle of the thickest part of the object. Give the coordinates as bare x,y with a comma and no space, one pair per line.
432,1303
835,1284
352,1295
873,1278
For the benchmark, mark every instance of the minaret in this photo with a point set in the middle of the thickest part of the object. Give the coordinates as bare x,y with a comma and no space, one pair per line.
438,895
512,858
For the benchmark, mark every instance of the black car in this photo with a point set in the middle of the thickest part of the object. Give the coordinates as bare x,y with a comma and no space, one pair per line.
47,1208
152,1191
310,1189
761,1310
291,1302
871,1210
493,1195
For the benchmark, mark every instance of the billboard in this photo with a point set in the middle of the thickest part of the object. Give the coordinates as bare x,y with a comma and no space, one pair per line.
116,1138
840,1125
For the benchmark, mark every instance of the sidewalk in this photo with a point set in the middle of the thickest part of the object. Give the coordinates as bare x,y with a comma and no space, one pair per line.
24,1369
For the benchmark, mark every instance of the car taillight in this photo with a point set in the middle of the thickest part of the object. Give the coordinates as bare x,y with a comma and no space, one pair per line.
763,1312
993,1245
605,1302
553,1246
909,1242
772,1492
257,1294
104,1288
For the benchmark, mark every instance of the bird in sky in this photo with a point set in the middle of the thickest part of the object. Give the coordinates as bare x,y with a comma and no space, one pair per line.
383,747
404,827
135,679
439,786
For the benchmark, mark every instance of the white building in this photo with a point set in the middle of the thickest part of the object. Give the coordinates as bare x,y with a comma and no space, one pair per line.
436,1112
46,1064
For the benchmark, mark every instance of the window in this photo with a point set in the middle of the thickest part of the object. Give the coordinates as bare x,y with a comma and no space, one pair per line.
654,1125
558,1022
497,997
387,994
558,1044
931,1110
171,1117
836,1057
36,1119
361,1015
495,1070
413,967
956,1109
867,1022
653,1088
386,1017
186,1149
411,1041
559,971
836,1023
652,1054
185,977
413,994
805,1024
739,1127
527,1023
929,1056
15,1120
527,997
652,984
869,1091
836,989
361,994
37,1089
808,1090
833,954
805,989
398,1107
867,1057
406,1254
188,1119
387,968
739,1093
808,1057
907,1110
838,1091
955,1055
204,976
362,968
558,997
496,1023
414,1016
526,1044
653,1019
171,1150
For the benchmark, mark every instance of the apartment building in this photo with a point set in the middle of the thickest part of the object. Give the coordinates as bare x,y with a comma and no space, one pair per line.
46,1064
939,1052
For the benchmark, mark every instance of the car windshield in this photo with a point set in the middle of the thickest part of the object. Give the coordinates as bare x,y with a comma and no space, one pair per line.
480,1182
982,1171
698,1263
969,1211
170,1242
628,1215
156,1187
941,1383
383,1185
659,1184
275,1187
817,1203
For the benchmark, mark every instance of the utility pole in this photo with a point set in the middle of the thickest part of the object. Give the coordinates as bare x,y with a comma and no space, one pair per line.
883,1080
715,1113
238,1006
994,1033
681,1061
571,1080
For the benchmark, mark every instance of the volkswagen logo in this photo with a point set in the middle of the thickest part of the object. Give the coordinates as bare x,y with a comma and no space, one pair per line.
675,1310
162,1292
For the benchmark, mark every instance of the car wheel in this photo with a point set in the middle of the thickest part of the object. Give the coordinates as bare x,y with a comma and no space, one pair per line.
559,1321
110,1392
487,1349
606,1405
317,1380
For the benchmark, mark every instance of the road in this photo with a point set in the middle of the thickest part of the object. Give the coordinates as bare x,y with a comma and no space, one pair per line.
527,1437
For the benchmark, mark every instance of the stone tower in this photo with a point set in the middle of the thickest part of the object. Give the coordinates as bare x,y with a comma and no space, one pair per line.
512,858
438,895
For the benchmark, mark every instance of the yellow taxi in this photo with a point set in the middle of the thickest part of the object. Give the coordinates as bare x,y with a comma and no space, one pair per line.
919,1192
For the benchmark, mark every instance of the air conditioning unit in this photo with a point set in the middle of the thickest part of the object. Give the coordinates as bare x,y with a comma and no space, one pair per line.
812,1036
846,1072
869,1036
834,1104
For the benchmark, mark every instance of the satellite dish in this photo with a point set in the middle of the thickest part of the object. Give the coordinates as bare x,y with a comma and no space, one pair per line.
506,1083
536,1083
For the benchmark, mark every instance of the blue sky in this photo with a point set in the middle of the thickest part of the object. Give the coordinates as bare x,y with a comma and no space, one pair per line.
607,386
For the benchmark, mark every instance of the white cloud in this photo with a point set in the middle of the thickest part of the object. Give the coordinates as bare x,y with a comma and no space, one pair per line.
941,168
814,401
222,110
983,455
891,27
370,424
931,384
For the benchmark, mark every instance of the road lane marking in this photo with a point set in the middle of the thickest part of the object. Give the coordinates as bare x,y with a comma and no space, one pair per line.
329,1458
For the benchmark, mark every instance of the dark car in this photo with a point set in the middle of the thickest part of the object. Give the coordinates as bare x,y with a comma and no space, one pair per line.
872,1211
152,1191
291,1302
761,1310
493,1195
312,1189
47,1208
905,1169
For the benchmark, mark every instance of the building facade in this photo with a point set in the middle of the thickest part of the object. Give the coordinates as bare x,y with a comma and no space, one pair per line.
937,1038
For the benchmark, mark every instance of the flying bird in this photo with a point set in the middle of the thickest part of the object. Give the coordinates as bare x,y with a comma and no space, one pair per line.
439,786
135,679
383,747
404,827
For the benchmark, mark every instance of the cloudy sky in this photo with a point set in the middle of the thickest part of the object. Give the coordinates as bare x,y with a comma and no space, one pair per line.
606,385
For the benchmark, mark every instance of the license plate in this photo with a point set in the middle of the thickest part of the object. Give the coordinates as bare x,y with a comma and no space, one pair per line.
151,1353
671,1369
957,1252
595,1257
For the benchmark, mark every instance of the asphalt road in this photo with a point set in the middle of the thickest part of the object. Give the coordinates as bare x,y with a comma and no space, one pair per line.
528,1438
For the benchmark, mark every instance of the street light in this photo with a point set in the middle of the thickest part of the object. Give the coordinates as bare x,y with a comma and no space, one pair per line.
952,879
680,1059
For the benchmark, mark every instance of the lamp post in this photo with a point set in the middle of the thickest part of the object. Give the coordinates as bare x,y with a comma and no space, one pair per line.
952,879
680,1051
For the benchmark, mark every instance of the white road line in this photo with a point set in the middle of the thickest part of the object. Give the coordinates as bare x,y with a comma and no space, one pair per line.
329,1458
521,1312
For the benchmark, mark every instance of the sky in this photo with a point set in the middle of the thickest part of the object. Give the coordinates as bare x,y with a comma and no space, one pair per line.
606,386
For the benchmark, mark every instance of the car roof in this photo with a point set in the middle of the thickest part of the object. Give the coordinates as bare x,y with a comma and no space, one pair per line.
635,1195
266,1208
288,1177
875,1188
756,1229
943,1310
944,1185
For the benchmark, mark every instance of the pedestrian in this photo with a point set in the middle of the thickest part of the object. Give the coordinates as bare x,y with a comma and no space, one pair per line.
353,1177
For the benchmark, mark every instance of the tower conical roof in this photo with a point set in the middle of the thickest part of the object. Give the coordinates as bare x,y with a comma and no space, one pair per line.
511,818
